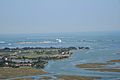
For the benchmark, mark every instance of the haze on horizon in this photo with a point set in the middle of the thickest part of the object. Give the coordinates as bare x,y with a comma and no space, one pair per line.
50,16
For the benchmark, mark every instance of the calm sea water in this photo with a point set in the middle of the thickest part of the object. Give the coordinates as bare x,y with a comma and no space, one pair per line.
103,47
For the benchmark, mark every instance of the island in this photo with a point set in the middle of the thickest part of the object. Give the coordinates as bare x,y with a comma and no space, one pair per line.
29,60
36,57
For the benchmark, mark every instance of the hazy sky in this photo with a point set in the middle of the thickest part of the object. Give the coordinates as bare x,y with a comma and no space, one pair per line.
46,16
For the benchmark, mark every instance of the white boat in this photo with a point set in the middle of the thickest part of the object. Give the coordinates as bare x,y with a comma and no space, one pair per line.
59,40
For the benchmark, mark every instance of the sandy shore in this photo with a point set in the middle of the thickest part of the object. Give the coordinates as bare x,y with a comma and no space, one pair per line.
68,77
101,66
63,77
92,65
16,72
24,79
114,60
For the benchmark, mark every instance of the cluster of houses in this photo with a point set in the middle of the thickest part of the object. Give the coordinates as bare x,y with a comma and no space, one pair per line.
13,61
18,60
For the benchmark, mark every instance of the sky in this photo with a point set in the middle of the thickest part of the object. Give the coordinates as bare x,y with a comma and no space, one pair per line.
50,16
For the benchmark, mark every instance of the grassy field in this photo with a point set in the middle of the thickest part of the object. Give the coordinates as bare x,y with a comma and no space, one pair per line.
16,72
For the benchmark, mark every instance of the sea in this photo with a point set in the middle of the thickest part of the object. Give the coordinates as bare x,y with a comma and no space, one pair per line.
104,46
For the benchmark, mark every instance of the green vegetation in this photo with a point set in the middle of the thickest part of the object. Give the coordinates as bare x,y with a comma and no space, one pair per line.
33,57
7,72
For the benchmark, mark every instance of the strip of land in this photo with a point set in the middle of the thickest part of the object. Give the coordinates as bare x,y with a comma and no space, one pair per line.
69,77
102,67
32,56
7,72
114,60
91,65
29,61
63,77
